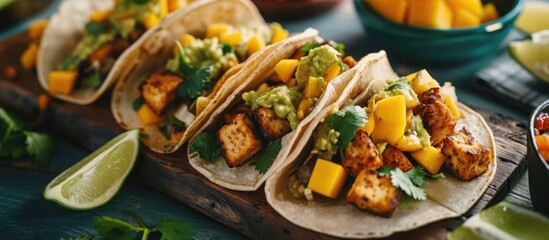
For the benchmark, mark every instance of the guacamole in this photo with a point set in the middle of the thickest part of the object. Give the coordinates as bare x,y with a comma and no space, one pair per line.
326,140
400,86
283,100
315,64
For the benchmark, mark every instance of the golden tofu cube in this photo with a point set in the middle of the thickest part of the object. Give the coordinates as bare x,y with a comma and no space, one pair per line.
327,178
62,81
239,141
437,117
465,157
361,154
374,193
160,89
394,158
270,125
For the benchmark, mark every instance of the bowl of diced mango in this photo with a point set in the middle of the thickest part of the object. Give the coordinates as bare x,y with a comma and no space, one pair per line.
439,32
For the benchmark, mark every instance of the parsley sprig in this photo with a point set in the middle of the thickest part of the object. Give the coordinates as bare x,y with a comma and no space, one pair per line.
346,122
17,143
410,182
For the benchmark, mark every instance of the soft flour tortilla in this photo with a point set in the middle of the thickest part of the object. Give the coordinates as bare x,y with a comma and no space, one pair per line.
447,198
63,33
155,48
245,177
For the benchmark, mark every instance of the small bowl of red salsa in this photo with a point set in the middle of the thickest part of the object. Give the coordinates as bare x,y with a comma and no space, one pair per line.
538,157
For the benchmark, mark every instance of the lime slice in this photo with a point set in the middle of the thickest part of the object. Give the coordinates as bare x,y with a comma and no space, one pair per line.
503,221
533,54
94,180
534,17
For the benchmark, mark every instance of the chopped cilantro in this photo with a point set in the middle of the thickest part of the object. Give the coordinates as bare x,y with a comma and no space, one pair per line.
39,146
308,47
400,84
340,47
207,146
417,175
172,228
343,66
95,28
137,103
267,156
346,122
403,181
226,48
198,78
112,228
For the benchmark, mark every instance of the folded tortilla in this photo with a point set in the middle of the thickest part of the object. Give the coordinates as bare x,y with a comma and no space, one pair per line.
155,48
446,198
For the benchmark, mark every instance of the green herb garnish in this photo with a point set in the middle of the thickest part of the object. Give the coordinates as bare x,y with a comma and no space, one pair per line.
207,146
267,156
346,122
198,78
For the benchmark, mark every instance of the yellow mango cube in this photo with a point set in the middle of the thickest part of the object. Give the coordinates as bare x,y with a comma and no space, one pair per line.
285,69
232,39
305,107
489,13
100,16
394,10
332,71
173,5
472,6
36,29
187,39
430,158
429,13
423,82
314,87
279,33
147,115
216,29
370,125
254,44
151,20
28,58
327,178
409,143
412,76
201,103
452,105
390,119
62,81
464,18
163,8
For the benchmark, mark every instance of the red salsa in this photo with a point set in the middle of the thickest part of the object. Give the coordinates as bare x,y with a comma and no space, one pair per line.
542,135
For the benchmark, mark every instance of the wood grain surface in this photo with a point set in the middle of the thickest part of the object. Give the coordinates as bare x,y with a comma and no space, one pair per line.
247,212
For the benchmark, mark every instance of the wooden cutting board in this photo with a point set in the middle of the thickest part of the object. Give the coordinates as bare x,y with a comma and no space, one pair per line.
247,212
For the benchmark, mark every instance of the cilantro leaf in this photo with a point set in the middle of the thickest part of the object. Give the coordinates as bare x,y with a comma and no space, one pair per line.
207,146
385,171
226,48
195,83
137,103
95,28
339,47
346,122
267,156
172,228
404,183
112,228
417,176
13,144
39,146
308,47
11,121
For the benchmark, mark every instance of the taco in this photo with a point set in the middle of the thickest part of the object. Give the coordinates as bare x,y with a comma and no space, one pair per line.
372,165
252,132
83,46
177,68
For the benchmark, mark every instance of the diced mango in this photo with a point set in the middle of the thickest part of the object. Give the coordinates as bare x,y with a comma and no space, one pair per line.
173,5
430,158
423,82
292,82
409,143
332,71
100,16
464,18
370,125
489,13
430,13
285,69
147,115
28,58
394,10
37,28
305,107
255,43
151,20
62,81
412,76
327,178
390,119
43,101
164,9
472,6
314,87
279,33
452,106
201,103
232,39
187,39
216,29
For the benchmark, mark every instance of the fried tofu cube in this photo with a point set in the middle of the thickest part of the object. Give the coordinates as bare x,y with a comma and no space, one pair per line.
465,157
374,193
394,158
438,118
361,154
160,90
270,125
240,108
239,141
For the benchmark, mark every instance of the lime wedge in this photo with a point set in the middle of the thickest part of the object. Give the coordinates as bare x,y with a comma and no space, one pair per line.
503,221
533,54
95,180
534,17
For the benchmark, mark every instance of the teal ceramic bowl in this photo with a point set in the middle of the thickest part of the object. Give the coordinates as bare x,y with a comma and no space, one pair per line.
440,47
